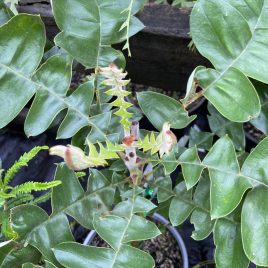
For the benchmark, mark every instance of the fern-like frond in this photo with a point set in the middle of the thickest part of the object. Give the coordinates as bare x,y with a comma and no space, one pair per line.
30,186
150,143
19,200
126,25
76,159
100,157
80,174
115,79
42,199
6,195
22,162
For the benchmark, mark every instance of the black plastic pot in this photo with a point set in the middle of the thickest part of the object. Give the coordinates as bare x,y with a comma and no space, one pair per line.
158,218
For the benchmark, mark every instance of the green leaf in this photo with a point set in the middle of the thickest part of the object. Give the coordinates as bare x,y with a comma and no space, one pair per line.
18,256
224,173
5,248
261,122
70,198
12,4
44,232
200,139
229,250
69,190
255,166
159,109
81,100
236,37
52,79
5,13
90,28
181,205
30,186
191,86
128,227
22,162
75,255
135,228
254,224
141,205
169,162
30,265
50,82
191,167
164,191
50,265
239,105
33,225
235,53
24,36
221,126
203,225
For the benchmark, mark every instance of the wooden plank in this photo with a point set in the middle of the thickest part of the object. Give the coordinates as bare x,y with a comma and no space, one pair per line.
160,53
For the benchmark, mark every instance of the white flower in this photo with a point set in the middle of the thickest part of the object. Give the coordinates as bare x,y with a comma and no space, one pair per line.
168,140
73,156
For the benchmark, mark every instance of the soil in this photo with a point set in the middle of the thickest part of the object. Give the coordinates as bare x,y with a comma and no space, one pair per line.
253,133
164,249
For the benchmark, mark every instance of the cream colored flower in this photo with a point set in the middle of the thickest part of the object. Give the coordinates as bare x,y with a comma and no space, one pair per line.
73,156
168,140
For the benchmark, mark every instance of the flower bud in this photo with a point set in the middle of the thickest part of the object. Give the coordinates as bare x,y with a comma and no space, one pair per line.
73,156
168,140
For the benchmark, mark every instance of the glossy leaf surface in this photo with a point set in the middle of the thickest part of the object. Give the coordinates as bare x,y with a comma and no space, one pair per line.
89,28
22,42
254,222
234,41
75,255
159,109
229,249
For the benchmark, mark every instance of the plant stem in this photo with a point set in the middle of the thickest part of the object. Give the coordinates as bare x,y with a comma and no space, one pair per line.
197,96
201,264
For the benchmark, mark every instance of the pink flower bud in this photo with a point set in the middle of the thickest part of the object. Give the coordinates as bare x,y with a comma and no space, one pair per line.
73,156
168,140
